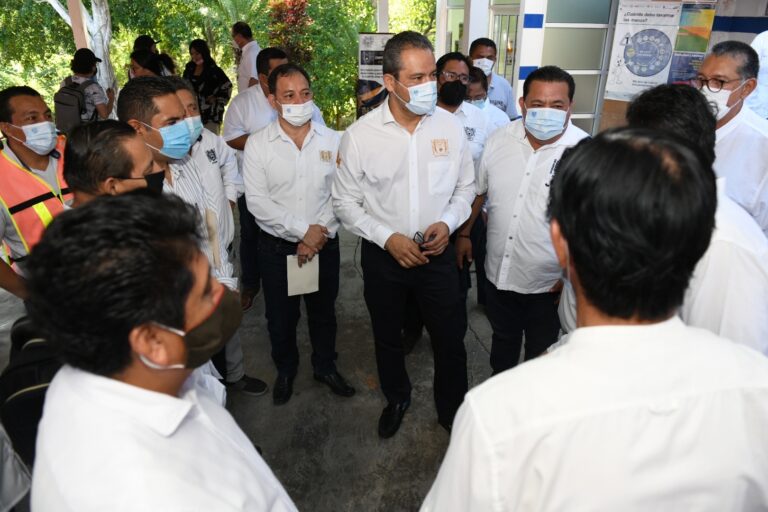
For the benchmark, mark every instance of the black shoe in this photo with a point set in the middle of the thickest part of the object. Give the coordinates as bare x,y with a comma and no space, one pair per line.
391,417
337,383
282,390
248,385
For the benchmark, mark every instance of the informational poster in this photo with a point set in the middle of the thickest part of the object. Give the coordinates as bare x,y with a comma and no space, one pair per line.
642,47
370,78
692,41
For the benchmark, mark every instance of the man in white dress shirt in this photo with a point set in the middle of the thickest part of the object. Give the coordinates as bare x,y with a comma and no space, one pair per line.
405,182
127,425
515,173
150,105
758,100
727,77
289,168
483,54
638,411
247,76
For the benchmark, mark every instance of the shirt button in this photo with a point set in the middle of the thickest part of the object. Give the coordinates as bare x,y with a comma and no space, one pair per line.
511,237
521,195
514,216
527,174
506,255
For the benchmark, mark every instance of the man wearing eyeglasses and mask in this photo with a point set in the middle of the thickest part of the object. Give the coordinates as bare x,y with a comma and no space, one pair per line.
405,181
727,77
32,185
127,423
515,173
288,168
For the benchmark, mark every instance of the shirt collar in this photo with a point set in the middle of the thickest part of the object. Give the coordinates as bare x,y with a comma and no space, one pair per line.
274,130
731,125
570,134
387,117
647,333
158,411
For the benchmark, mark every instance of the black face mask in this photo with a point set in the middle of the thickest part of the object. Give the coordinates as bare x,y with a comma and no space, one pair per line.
155,181
452,93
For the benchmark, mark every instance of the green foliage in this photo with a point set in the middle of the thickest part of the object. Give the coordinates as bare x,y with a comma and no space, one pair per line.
289,25
418,15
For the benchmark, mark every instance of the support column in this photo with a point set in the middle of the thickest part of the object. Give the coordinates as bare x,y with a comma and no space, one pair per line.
79,29
382,16
476,22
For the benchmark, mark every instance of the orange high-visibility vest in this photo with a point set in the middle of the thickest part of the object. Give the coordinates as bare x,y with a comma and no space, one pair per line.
30,202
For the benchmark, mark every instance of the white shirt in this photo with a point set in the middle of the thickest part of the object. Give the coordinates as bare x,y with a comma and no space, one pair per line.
496,116
287,188
660,417
520,256
477,128
106,445
742,157
247,67
391,181
188,184
501,94
250,112
221,178
758,100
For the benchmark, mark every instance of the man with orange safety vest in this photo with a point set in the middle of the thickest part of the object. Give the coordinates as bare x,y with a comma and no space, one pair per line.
32,185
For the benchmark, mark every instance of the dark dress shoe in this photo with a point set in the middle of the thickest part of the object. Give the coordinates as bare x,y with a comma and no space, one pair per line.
282,390
391,417
337,384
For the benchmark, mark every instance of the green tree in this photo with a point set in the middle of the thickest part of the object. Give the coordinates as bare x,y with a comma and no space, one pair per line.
418,15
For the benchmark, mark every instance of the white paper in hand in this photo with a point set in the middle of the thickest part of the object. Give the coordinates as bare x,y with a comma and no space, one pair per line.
305,279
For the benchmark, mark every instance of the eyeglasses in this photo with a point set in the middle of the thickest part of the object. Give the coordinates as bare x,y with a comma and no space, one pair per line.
420,240
713,84
451,77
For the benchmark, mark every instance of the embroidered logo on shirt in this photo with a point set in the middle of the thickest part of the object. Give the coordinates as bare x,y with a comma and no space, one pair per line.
211,154
326,156
470,132
439,147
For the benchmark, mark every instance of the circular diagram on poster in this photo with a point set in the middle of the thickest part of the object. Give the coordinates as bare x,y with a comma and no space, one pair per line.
647,52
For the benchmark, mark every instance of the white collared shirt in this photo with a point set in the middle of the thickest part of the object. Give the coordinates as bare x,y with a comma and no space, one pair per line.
758,100
249,112
247,68
496,117
391,181
107,445
188,184
622,418
742,157
288,188
221,178
477,128
520,256
501,94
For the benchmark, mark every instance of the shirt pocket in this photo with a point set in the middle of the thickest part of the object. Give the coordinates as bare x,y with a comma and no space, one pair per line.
442,178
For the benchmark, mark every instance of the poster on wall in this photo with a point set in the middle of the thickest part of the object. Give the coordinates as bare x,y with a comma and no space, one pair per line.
692,41
643,46
370,77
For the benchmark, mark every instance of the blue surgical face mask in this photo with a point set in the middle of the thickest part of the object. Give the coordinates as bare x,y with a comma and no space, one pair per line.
545,123
40,137
480,103
176,140
195,125
423,97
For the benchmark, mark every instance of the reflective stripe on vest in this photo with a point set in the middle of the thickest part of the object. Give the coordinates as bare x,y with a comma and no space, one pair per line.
30,202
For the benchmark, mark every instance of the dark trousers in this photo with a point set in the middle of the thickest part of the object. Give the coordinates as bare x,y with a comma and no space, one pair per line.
283,312
478,238
249,244
435,287
511,314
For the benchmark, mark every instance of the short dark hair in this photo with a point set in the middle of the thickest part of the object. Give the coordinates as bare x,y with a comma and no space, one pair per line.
637,208
178,83
148,60
749,65
95,152
482,41
399,43
266,55
201,47
137,98
243,29
6,95
285,70
477,75
445,59
678,109
550,74
108,266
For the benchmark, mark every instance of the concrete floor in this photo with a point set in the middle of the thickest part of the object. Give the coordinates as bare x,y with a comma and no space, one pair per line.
323,448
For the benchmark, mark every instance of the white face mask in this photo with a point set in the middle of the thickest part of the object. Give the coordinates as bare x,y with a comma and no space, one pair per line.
481,104
484,64
298,114
720,99
423,97
41,137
